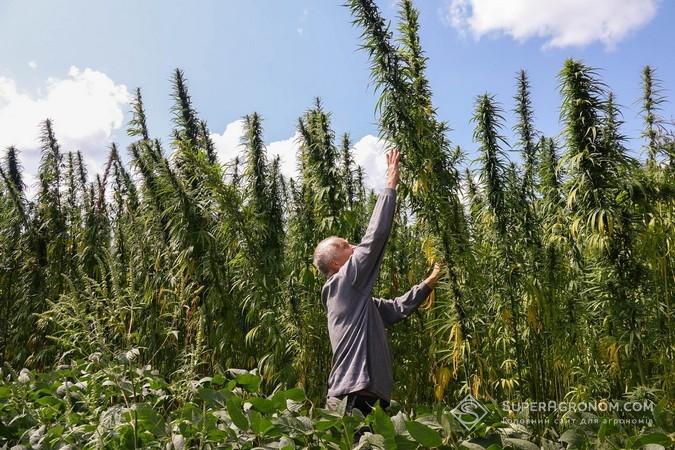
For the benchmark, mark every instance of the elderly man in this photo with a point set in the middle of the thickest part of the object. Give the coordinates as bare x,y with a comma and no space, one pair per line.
361,367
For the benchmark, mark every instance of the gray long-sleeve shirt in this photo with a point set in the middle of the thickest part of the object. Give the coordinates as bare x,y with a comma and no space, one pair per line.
356,320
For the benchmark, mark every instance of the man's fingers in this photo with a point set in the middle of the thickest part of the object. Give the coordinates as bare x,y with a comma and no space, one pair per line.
393,157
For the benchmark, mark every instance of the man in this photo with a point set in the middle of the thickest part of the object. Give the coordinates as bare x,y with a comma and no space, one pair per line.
361,366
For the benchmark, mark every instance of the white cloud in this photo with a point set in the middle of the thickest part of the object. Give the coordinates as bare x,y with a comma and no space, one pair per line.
86,107
562,23
228,144
287,150
369,153
32,64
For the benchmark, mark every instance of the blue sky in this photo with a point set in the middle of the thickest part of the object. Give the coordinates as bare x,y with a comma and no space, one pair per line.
274,57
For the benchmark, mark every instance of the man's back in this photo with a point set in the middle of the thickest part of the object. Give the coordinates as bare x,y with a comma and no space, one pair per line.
356,320
361,356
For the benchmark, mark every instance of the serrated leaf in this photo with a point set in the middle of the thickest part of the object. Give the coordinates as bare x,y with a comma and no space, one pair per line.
212,398
385,427
423,434
259,424
236,414
263,405
324,425
147,419
286,443
399,422
249,382
471,446
651,438
520,444
572,436
295,394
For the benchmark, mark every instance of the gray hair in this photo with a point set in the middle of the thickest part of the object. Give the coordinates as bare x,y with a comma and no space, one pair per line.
323,254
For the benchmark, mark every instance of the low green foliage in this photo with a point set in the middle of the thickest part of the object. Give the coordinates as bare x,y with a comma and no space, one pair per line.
103,402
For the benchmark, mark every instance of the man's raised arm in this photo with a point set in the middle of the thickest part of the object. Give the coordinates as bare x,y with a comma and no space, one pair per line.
362,267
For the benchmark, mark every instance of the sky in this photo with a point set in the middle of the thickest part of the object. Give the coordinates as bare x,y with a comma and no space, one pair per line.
78,62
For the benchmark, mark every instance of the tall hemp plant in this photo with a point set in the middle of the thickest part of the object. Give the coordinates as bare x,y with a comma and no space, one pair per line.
429,178
16,225
658,227
599,207
261,270
320,211
495,179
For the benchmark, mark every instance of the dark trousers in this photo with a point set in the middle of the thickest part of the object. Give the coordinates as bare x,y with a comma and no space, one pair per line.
363,403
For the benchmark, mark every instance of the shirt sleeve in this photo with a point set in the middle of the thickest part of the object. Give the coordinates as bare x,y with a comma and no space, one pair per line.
362,267
401,307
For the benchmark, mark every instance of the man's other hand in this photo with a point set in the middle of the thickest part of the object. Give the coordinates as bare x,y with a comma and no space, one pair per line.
432,279
393,174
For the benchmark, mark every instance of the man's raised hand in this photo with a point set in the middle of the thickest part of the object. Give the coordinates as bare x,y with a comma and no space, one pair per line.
393,173
432,279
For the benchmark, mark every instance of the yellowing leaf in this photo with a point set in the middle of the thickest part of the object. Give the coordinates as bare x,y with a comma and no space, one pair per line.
429,302
476,383
429,249
439,391
443,376
574,230
533,316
